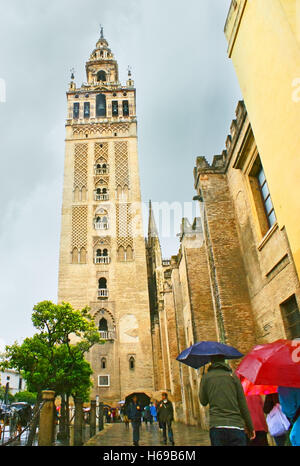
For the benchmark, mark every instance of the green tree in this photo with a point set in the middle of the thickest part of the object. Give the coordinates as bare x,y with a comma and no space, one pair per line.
26,397
53,359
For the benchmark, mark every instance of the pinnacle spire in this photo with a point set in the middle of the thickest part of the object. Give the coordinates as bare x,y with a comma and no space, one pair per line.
152,229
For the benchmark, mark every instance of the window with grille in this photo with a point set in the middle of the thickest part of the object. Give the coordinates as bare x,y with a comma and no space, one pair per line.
115,108
264,189
100,105
261,196
103,380
86,109
125,108
291,317
76,110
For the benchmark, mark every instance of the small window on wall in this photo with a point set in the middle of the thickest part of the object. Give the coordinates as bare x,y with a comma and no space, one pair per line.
86,110
103,380
76,110
103,363
125,108
103,327
115,108
265,193
262,198
291,317
131,363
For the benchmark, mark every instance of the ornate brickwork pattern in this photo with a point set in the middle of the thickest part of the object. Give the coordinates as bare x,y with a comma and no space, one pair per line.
105,129
79,226
103,241
80,166
124,225
101,151
121,163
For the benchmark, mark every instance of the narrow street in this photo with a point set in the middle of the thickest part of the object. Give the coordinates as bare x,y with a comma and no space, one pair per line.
150,435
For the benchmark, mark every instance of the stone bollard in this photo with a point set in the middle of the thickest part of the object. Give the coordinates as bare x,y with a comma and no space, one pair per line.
101,413
93,418
78,422
46,419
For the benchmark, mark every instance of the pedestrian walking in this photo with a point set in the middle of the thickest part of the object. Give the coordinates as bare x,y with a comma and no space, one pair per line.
255,406
125,416
165,414
272,400
289,398
134,414
153,412
147,416
228,410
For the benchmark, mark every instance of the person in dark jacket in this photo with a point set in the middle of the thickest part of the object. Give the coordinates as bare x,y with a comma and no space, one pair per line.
135,414
229,415
165,416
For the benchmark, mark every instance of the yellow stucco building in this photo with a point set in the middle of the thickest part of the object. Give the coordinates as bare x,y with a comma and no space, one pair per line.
264,45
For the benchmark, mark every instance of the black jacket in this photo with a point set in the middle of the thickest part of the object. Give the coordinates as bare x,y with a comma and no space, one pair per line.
134,411
165,411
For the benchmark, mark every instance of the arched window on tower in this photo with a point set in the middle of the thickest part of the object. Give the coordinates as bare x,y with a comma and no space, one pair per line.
100,105
125,108
76,110
121,254
101,75
102,288
102,257
101,221
115,108
103,363
83,193
75,256
86,110
129,253
131,363
103,327
76,194
82,256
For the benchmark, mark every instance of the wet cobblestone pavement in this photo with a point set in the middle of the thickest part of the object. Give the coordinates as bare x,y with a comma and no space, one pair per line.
120,435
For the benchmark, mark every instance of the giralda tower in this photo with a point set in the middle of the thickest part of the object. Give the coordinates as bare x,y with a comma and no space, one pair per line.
102,249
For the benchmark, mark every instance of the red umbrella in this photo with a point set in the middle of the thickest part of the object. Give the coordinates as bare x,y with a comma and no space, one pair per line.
276,363
251,389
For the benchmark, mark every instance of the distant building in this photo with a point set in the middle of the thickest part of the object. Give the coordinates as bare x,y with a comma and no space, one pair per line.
16,383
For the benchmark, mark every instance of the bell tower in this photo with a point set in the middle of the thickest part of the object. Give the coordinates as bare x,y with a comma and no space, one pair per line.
102,248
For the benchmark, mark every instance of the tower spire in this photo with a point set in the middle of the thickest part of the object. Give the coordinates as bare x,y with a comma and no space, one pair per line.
101,32
152,229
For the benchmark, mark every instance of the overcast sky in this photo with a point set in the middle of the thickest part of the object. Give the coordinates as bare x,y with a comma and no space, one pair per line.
187,93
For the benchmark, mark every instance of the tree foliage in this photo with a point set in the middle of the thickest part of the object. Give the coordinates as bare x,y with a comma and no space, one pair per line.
26,397
53,358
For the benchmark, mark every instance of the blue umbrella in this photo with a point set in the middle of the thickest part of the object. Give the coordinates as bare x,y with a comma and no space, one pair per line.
200,353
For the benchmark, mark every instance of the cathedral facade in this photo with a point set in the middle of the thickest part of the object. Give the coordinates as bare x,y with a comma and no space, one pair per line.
102,249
